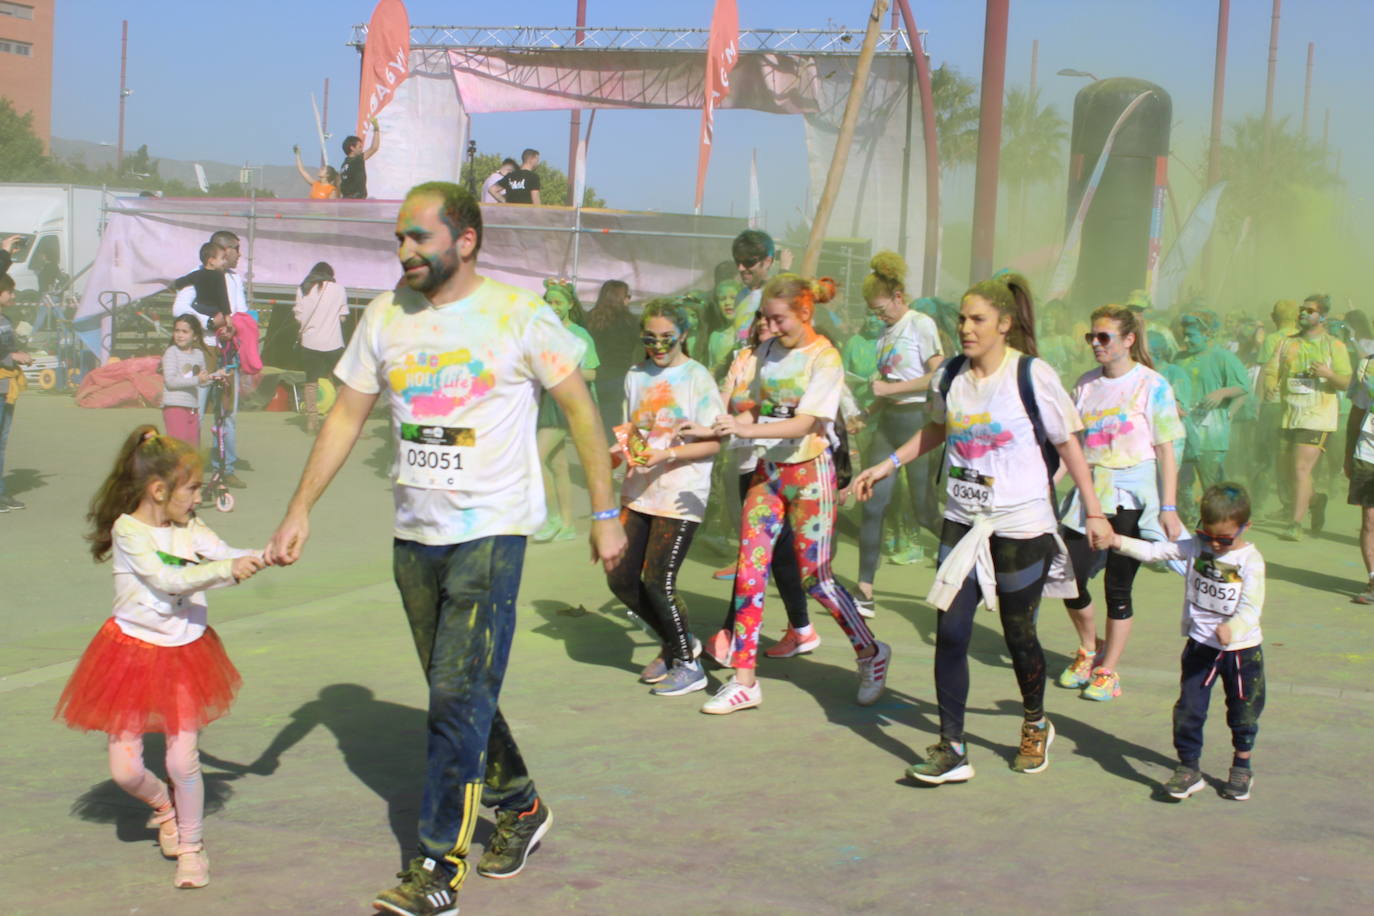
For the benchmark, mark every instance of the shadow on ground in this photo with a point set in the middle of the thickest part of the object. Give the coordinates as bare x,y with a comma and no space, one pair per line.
22,480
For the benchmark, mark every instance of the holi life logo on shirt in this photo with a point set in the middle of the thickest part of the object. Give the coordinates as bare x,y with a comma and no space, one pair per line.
436,384
658,411
1105,425
889,361
974,435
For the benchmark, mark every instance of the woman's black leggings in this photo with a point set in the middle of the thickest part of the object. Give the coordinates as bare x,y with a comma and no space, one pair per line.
1021,564
646,577
785,571
1121,569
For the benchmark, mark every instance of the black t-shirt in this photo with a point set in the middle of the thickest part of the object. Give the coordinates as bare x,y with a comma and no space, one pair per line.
519,184
353,177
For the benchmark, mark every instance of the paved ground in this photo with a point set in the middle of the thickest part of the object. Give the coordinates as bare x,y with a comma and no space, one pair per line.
800,806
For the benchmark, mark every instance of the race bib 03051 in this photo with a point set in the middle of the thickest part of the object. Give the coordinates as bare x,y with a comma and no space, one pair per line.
1214,589
971,490
431,457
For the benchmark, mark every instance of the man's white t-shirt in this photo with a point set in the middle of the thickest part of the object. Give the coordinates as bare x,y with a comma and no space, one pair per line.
904,349
657,400
991,453
462,380
487,196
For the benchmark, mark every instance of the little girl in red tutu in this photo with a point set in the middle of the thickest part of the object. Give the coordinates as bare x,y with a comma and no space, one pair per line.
156,666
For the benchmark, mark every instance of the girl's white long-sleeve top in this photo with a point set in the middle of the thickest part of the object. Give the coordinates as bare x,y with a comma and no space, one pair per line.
161,575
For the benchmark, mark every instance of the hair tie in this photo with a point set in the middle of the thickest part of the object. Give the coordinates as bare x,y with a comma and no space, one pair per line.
148,436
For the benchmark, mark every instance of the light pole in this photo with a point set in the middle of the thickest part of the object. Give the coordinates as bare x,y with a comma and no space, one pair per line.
124,93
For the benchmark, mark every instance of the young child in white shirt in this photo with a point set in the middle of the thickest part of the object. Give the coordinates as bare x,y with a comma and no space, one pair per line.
1221,618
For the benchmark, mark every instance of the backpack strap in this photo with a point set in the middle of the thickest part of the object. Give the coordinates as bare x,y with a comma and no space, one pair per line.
1025,386
949,370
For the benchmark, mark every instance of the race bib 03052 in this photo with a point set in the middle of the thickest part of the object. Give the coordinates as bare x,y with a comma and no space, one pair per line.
971,490
431,457
1214,589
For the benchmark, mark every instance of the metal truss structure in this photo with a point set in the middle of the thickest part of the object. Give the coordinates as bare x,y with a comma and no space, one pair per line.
598,38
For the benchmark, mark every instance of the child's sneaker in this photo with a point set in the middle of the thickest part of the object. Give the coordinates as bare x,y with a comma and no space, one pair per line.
1238,784
1106,685
1034,754
942,764
873,674
423,891
683,677
1185,781
193,866
1079,671
865,606
793,643
732,697
167,837
516,835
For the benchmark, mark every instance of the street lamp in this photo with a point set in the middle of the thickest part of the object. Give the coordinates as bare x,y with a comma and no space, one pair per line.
1068,71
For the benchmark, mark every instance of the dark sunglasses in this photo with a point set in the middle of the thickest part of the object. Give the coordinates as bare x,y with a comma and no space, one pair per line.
1102,338
1219,540
748,265
653,340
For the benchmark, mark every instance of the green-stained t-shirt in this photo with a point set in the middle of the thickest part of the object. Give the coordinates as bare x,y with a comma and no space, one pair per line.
1208,370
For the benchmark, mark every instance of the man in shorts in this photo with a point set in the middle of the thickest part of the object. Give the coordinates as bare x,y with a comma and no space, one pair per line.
461,359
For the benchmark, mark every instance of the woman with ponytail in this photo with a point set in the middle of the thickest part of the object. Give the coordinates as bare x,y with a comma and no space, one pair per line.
909,353
794,396
1131,422
1007,421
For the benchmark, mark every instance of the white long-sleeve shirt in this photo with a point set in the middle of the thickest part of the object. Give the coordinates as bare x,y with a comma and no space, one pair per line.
160,578
1224,589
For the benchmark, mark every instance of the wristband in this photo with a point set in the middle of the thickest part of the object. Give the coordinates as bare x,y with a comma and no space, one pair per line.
1103,517
896,462
1168,508
605,515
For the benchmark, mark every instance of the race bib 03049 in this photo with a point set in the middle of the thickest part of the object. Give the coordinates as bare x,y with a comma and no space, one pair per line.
1213,588
968,488
431,457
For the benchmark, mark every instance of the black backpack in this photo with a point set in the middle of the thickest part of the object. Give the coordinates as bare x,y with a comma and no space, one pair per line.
1026,389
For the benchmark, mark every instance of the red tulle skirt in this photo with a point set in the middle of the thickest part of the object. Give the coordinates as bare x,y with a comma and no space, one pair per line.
124,685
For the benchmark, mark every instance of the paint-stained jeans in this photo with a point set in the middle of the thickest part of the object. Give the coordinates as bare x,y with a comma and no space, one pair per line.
1242,680
804,494
645,580
460,600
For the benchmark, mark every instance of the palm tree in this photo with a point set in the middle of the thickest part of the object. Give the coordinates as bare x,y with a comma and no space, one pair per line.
956,116
1032,148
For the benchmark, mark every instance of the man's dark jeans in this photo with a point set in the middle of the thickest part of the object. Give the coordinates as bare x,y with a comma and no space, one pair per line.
460,600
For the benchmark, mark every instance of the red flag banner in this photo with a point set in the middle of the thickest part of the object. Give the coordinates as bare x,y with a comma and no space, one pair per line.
722,51
386,59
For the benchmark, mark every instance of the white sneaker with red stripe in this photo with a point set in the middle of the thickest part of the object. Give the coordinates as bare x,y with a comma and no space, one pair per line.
733,697
873,674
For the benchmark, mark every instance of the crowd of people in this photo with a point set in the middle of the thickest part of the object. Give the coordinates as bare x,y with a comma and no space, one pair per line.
743,418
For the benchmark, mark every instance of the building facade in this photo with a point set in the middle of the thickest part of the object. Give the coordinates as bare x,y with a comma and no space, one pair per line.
26,60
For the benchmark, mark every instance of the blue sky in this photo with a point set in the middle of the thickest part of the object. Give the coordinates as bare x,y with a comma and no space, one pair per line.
231,82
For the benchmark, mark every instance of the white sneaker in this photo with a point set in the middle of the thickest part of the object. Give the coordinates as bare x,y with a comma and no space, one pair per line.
733,697
873,675
865,606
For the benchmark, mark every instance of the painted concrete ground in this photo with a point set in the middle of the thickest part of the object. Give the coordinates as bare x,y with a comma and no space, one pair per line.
800,806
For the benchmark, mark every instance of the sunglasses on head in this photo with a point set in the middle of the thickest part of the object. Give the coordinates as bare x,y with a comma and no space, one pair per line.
1101,338
1218,539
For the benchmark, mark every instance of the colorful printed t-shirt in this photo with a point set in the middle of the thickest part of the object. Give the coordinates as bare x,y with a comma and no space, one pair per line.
990,440
1362,398
1124,418
1224,589
1309,402
903,351
462,380
804,380
1211,369
657,400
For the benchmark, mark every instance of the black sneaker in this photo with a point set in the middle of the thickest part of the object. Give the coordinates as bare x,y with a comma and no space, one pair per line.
1238,784
423,891
11,503
4,506
1318,510
1185,781
942,765
516,835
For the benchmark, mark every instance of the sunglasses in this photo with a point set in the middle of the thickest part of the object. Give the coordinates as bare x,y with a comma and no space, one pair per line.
1217,539
747,265
663,344
1101,338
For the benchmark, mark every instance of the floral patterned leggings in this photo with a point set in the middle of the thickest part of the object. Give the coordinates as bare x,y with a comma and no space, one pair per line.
804,494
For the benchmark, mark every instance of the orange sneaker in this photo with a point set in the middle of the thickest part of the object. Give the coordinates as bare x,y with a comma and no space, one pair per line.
720,647
793,643
725,572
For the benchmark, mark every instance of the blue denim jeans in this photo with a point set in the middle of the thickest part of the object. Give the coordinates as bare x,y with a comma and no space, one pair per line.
6,421
460,601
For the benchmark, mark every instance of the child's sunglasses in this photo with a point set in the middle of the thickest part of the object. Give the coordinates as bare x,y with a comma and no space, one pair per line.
659,344
1218,539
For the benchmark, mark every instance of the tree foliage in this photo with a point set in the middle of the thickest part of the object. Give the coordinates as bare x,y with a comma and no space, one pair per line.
1032,140
955,97
553,183
1265,185
21,152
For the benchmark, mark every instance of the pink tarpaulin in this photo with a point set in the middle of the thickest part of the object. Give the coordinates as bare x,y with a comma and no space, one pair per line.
149,242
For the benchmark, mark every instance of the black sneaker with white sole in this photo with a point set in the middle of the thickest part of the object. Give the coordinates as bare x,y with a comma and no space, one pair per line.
1238,784
424,891
1185,781
942,764
516,835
